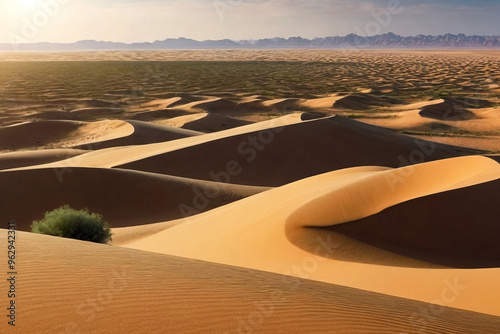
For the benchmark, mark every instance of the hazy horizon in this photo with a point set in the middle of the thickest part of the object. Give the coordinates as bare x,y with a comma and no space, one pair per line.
234,40
129,21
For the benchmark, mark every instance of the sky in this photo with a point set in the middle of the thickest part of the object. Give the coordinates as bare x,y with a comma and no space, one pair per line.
149,20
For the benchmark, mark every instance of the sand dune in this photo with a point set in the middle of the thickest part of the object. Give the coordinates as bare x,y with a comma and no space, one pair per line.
283,104
28,135
362,101
54,115
267,239
144,133
487,113
295,192
169,103
159,114
127,291
60,133
91,132
123,197
97,103
460,217
217,105
312,80
453,109
418,105
29,158
445,122
87,135
253,103
402,185
115,156
487,143
495,157
269,155
205,122
284,155
321,103
95,113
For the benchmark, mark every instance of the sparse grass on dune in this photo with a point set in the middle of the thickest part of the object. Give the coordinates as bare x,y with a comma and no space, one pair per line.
411,76
101,79
67,222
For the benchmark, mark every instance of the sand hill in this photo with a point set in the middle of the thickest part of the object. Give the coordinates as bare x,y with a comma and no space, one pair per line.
169,293
334,192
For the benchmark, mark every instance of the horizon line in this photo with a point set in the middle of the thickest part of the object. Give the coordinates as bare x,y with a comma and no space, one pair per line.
244,40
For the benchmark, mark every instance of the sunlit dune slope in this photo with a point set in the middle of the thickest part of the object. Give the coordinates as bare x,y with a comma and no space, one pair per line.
27,158
205,122
115,156
278,237
94,288
454,109
143,133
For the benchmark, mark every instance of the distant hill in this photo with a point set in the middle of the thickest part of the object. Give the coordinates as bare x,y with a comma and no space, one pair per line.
389,40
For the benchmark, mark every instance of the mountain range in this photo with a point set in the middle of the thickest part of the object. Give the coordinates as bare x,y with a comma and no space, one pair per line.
389,40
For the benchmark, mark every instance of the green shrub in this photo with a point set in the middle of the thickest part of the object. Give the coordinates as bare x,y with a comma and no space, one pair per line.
69,223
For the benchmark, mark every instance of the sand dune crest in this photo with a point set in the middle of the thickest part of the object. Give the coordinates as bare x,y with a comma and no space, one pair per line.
247,233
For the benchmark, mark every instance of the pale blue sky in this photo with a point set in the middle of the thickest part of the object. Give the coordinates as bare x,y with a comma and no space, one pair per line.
150,20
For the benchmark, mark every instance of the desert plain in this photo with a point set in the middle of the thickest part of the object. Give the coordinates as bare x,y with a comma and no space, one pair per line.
255,191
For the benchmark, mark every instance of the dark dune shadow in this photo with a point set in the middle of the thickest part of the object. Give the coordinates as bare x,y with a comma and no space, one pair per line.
458,228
